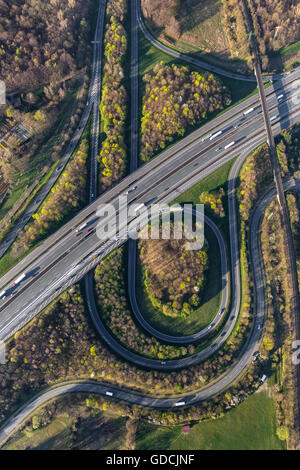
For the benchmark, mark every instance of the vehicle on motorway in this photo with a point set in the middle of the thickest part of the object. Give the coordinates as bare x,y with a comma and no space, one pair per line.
2,294
131,190
218,149
19,279
139,207
109,394
230,145
274,117
163,363
58,168
250,110
81,227
213,136
88,103
180,403
280,97
263,378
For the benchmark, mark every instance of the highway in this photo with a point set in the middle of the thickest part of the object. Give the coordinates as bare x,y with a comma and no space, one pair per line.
225,294
134,397
67,255
162,182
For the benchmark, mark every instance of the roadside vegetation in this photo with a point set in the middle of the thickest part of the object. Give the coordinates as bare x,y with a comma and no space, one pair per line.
114,308
71,423
249,427
198,317
174,277
67,196
174,100
279,330
113,108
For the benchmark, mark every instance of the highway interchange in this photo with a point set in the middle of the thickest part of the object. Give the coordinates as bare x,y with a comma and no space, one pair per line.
63,259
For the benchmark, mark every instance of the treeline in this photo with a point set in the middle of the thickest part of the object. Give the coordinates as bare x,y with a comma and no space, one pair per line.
61,344
42,41
113,106
255,176
174,277
174,100
67,195
280,326
277,24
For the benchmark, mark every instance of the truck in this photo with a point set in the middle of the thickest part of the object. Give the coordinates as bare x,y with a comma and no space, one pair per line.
2,294
180,403
81,227
19,279
139,207
274,117
250,110
215,135
230,145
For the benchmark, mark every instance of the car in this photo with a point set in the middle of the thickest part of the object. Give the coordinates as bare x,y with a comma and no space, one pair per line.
76,235
88,230
224,333
232,318
259,327
163,363
209,327
110,394
58,168
256,353
218,149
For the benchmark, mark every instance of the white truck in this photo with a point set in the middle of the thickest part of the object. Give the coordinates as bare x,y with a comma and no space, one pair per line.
230,145
81,227
250,110
19,279
2,294
215,135
139,207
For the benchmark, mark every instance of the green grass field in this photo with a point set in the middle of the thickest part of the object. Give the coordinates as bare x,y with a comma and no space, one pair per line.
251,426
102,432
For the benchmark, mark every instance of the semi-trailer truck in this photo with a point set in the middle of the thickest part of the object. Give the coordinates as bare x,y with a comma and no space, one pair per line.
215,135
19,279
248,111
230,145
139,207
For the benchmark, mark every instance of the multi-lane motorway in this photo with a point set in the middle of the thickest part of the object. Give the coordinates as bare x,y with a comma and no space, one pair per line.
67,256
160,180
